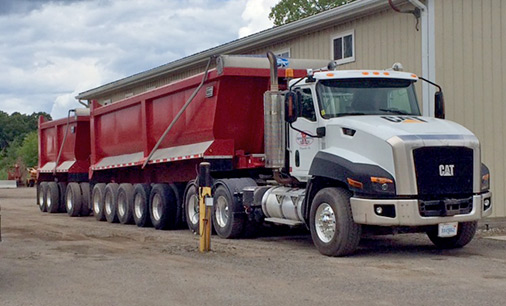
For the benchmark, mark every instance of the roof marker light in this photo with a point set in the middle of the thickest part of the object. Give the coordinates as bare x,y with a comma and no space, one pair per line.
397,67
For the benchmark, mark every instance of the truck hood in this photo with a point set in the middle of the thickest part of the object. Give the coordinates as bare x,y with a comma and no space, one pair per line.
386,127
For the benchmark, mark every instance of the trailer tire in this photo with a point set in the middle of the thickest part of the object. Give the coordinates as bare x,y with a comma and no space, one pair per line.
52,197
178,189
227,221
97,198
191,207
73,201
465,234
333,230
41,196
111,202
141,205
162,207
85,192
62,190
125,203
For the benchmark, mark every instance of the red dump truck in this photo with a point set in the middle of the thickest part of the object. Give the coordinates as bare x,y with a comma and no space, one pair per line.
288,142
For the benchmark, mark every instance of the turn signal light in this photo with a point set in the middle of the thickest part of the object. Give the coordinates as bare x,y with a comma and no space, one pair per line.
381,180
355,184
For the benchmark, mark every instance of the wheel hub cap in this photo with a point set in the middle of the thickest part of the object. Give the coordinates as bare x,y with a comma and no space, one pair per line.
157,207
138,206
108,204
222,211
121,205
69,203
325,223
193,209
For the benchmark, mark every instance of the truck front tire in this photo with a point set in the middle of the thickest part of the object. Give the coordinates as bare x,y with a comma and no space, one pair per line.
331,223
465,234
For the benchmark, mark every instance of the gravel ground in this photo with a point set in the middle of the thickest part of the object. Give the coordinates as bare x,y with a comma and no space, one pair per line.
52,259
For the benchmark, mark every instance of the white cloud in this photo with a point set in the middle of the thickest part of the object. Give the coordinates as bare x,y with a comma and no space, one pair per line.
256,14
52,50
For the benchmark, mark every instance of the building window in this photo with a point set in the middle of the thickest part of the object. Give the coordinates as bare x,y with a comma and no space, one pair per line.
343,47
285,53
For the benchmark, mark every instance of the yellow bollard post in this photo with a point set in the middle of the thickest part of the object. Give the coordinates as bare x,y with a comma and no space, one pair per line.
205,205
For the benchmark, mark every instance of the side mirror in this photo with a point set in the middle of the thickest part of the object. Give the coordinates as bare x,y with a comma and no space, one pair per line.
292,106
439,105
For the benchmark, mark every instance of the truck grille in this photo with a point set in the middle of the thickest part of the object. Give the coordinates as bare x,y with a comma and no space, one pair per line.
444,172
446,207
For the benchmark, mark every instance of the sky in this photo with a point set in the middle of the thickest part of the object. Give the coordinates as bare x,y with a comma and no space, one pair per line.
51,50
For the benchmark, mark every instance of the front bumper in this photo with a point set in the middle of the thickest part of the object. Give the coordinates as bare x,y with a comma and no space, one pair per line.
407,213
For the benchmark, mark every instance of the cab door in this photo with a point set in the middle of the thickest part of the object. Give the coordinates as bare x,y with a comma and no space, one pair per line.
302,148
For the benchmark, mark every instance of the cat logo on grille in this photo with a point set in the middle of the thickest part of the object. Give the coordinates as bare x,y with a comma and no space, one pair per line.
446,170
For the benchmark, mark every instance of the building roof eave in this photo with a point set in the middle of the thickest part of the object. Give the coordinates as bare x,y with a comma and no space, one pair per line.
337,15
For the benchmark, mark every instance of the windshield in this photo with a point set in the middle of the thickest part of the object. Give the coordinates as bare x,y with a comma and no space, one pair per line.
350,97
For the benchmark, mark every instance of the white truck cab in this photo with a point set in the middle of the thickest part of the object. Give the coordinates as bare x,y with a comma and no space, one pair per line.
361,156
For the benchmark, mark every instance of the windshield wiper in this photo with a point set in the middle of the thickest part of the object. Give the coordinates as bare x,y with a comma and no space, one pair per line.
394,111
349,114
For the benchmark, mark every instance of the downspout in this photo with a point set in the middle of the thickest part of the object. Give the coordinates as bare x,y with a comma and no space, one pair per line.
428,53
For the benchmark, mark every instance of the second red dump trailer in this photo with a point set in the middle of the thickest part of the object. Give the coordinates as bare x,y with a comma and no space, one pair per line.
339,152
64,157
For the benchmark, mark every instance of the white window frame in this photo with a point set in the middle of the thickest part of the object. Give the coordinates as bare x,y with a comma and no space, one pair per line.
281,51
342,35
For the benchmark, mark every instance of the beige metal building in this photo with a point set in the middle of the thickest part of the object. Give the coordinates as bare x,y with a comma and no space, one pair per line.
460,44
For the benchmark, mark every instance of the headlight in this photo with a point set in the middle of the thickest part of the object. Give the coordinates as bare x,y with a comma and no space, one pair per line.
485,178
382,185
485,182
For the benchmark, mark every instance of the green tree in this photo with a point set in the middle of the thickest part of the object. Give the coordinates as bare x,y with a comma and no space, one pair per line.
18,140
287,11
28,151
17,126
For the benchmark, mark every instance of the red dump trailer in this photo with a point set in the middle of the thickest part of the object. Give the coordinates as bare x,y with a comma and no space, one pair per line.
64,157
339,152
223,124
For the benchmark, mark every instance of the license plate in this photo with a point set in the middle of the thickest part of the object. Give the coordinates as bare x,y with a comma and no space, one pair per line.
448,229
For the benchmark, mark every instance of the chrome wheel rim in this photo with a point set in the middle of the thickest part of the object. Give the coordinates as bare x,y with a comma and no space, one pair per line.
222,211
193,209
48,201
69,203
41,198
157,207
96,203
108,203
121,204
138,206
325,223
